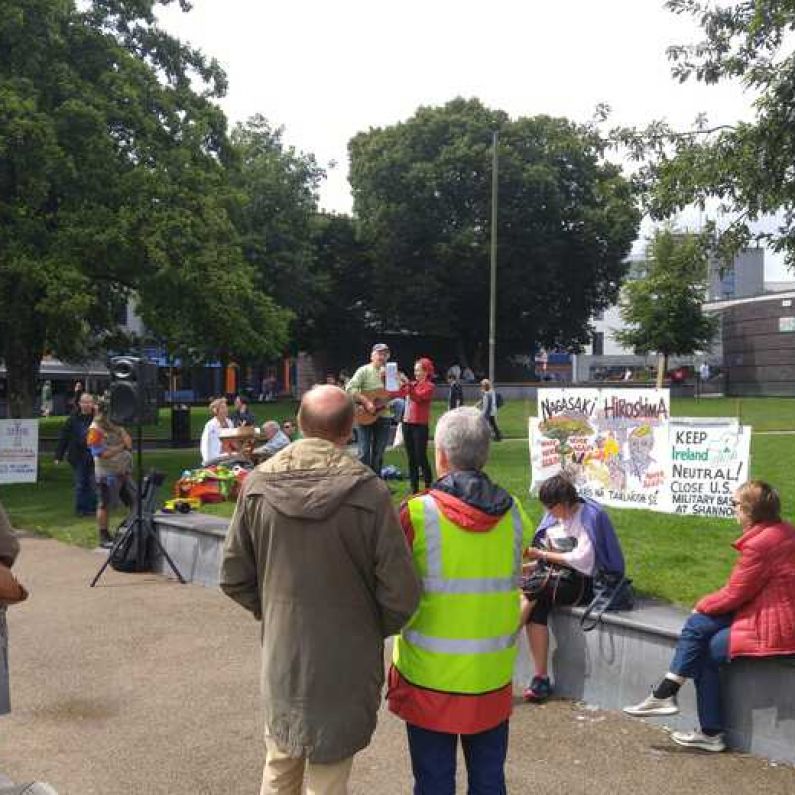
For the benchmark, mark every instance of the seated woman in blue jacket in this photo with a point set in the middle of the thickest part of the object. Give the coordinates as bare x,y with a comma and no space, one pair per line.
568,516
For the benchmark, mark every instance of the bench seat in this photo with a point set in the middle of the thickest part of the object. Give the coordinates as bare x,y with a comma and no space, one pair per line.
618,662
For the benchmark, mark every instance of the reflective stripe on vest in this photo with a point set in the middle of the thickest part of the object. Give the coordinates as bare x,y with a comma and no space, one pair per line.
463,636
434,582
460,645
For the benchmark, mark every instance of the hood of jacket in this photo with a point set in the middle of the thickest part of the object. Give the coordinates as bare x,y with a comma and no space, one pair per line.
470,500
309,479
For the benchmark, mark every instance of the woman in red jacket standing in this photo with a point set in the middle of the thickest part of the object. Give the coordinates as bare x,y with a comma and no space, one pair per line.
753,615
416,414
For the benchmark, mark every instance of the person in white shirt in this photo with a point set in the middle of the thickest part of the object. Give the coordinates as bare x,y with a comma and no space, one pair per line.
212,448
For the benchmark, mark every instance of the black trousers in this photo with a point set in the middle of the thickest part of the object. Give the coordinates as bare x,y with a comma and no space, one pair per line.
495,429
415,438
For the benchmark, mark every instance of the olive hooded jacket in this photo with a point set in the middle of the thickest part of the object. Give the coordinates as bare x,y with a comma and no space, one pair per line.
316,552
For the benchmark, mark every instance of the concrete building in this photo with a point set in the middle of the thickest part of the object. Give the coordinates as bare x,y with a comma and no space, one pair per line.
758,335
607,357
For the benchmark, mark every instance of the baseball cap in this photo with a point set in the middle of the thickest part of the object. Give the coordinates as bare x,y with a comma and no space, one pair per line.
380,346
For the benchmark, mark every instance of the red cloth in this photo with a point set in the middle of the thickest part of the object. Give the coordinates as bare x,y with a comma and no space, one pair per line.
760,592
419,395
452,713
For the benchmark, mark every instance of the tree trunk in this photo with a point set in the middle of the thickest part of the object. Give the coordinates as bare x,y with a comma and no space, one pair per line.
662,366
22,351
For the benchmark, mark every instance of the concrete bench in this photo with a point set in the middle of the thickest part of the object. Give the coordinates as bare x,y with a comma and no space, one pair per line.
195,543
618,662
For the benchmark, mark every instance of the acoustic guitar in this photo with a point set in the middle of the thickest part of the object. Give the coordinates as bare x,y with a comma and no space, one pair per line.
381,398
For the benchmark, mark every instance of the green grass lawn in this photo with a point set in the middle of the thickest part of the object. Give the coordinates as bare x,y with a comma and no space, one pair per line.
50,427
764,414
672,557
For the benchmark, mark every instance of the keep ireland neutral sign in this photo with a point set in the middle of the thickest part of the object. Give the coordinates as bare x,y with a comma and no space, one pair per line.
709,460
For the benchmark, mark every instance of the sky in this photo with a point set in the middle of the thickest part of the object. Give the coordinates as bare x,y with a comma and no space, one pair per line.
328,70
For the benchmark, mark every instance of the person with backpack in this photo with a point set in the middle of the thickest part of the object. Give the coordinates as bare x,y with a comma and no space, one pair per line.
489,405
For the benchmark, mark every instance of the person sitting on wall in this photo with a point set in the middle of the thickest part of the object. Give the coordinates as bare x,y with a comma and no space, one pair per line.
752,615
596,548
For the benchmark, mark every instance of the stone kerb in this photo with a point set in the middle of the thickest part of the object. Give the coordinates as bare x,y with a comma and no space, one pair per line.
617,663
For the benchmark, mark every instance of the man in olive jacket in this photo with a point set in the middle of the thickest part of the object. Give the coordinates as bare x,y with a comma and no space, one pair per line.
315,551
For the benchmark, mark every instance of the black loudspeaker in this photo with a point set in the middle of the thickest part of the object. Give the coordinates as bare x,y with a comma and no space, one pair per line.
133,391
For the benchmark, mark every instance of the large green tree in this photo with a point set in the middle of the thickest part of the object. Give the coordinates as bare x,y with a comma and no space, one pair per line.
663,310
422,198
113,182
278,186
746,167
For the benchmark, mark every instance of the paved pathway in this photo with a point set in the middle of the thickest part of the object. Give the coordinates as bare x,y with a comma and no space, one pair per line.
143,686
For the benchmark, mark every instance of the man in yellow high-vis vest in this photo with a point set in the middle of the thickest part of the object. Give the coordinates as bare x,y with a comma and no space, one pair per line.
453,662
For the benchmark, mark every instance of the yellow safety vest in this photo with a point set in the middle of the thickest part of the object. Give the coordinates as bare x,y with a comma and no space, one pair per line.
462,639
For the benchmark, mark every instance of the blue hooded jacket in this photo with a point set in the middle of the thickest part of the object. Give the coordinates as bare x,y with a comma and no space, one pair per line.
597,524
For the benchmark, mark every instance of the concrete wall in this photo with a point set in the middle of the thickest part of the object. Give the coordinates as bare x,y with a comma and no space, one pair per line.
617,664
195,543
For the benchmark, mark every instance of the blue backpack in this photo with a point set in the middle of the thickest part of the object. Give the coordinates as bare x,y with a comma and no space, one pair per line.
499,399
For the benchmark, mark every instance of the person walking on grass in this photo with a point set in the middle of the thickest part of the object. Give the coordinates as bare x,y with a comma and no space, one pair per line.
316,553
452,666
489,407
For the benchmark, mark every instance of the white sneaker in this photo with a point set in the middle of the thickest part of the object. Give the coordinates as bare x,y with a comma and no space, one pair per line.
697,739
653,706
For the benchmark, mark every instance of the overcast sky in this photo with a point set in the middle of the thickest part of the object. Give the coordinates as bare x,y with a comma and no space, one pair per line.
327,70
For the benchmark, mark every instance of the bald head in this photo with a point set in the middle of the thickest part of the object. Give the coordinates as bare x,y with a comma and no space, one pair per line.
326,413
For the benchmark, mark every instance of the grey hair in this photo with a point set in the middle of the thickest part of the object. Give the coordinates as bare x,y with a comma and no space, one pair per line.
465,437
271,425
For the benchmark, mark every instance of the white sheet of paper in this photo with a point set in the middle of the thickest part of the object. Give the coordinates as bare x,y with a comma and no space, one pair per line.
392,384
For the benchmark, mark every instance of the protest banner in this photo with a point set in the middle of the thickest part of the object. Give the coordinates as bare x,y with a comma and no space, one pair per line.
19,451
612,442
709,460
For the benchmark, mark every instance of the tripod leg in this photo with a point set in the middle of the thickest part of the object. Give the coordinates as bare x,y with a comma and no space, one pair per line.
153,533
119,538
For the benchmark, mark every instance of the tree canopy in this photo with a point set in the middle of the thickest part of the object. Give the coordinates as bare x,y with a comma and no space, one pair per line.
663,310
747,167
113,182
276,221
422,198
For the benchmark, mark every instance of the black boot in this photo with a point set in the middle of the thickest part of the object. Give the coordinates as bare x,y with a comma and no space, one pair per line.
105,541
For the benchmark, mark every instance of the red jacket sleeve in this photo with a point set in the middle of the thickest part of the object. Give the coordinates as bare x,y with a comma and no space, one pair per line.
420,391
405,523
746,580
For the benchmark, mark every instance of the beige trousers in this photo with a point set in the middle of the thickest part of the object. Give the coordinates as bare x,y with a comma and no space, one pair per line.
284,775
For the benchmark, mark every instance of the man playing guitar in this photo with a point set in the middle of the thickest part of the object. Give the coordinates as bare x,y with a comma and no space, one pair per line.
366,387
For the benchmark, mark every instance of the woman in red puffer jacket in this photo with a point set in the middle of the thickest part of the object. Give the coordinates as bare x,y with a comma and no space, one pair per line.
753,615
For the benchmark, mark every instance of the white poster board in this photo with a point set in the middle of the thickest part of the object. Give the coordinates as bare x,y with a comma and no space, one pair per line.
19,451
612,442
709,460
